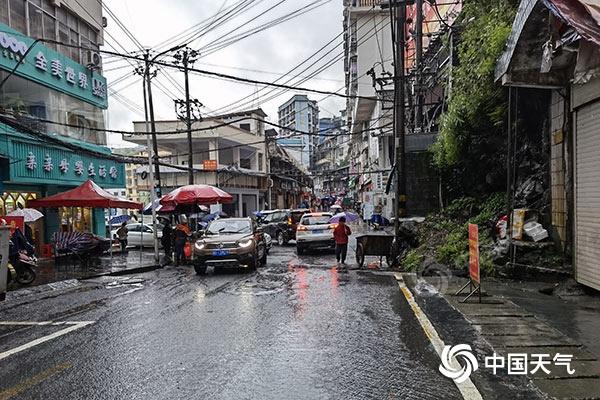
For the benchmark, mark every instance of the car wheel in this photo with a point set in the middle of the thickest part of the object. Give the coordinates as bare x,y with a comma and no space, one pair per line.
26,276
254,263
200,269
280,239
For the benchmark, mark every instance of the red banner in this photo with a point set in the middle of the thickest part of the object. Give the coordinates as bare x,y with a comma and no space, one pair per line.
474,253
14,223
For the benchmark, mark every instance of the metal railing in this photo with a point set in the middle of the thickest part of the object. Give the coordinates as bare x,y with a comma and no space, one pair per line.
366,3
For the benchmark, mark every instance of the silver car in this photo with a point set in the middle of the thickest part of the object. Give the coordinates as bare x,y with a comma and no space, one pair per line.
314,231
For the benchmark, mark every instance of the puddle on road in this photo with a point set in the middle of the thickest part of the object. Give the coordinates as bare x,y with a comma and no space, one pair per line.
129,282
263,283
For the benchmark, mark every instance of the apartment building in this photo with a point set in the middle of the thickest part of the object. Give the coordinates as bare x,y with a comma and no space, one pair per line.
299,114
368,53
232,157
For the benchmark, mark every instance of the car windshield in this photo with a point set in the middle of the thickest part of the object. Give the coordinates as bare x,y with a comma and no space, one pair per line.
316,220
229,226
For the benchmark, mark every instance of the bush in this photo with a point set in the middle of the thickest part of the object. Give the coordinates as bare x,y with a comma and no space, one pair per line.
413,260
444,235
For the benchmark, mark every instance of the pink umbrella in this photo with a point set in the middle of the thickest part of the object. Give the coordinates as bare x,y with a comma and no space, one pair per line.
195,194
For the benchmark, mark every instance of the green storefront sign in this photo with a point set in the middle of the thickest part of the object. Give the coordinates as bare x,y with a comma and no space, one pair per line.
50,68
35,162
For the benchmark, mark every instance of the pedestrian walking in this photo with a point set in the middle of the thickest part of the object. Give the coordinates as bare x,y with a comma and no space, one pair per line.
340,234
122,235
166,240
180,236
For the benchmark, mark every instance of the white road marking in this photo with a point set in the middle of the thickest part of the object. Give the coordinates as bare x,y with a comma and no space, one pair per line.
74,325
467,388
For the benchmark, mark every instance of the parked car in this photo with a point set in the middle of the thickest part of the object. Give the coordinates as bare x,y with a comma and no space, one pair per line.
282,224
141,234
230,242
262,214
314,231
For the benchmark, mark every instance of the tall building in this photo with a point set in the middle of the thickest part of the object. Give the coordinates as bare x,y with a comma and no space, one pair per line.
330,175
299,114
368,51
51,109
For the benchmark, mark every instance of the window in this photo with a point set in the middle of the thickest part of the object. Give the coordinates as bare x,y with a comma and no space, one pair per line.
11,201
245,163
17,15
4,12
245,127
36,27
260,161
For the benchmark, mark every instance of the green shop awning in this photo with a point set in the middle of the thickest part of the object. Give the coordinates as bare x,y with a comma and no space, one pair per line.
32,160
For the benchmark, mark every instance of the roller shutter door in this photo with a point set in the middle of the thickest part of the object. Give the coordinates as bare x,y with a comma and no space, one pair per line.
587,196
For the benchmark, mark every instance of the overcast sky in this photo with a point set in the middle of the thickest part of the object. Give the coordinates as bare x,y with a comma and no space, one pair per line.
264,56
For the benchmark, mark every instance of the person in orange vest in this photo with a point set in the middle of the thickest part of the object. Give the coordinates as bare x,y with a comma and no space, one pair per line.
180,235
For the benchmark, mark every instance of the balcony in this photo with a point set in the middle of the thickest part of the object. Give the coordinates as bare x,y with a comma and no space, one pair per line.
363,5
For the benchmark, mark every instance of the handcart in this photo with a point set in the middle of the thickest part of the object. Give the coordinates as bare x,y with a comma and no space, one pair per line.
374,244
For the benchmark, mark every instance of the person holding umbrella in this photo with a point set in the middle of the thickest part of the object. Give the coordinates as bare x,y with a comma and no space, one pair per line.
180,236
122,235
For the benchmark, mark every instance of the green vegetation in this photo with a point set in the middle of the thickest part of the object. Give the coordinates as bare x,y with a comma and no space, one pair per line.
444,235
469,148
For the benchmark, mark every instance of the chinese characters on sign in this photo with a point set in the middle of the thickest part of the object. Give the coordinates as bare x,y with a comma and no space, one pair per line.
64,165
79,167
48,166
56,70
30,164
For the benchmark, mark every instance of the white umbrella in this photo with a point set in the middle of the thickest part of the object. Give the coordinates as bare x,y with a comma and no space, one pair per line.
336,206
30,214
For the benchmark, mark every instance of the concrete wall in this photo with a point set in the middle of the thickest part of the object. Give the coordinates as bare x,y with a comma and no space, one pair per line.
422,184
557,168
374,44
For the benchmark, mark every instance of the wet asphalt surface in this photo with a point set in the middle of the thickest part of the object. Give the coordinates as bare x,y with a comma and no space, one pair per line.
295,329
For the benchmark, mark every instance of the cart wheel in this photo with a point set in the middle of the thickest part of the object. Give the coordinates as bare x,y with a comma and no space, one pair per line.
360,255
391,261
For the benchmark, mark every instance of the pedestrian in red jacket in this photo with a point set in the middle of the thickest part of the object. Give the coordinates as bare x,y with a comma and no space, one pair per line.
340,235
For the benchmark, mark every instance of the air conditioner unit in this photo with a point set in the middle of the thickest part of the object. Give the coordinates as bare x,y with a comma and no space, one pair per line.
92,59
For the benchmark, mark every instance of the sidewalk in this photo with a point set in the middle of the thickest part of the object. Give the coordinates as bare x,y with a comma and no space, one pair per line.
48,271
515,317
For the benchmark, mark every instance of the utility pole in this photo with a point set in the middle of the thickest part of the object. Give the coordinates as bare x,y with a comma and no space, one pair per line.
399,112
145,72
268,169
419,64
148,87
186,109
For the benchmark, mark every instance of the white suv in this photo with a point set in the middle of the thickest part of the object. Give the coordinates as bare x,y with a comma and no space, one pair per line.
314,231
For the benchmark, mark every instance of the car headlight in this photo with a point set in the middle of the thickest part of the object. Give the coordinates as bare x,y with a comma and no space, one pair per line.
245,243
199,245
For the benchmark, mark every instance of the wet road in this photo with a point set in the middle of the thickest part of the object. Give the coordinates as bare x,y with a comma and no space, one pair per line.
295,329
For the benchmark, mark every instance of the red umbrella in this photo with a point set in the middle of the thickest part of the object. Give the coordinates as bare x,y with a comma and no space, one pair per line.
196,194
